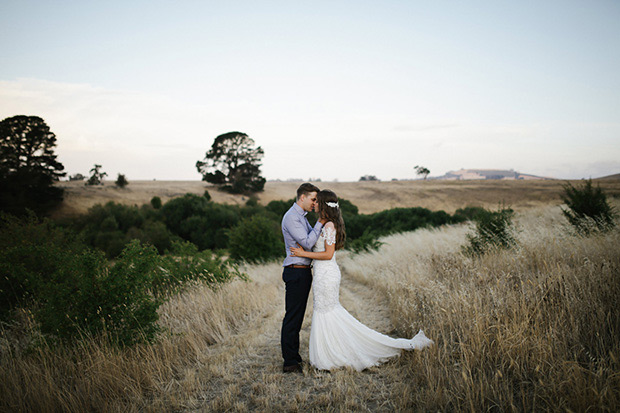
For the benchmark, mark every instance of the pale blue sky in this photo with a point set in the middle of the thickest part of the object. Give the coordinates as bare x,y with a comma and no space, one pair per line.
330,90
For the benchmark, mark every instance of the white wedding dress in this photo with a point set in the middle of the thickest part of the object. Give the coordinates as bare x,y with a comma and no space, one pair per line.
337,339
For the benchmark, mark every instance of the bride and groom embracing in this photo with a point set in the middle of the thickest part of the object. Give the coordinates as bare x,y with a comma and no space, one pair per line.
337,339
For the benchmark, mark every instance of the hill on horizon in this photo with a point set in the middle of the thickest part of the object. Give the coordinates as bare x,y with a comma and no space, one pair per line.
614,176
484,174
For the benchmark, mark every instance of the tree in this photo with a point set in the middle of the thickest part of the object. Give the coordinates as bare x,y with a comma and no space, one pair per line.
420,170
121,181
369,178
96,177
28,166
233,163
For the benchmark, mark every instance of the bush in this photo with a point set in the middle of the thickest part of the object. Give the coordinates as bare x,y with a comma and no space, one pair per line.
184,264
347,208
121,181
279,208
588,208
256,239
392,221
493,230
111,226
197,220
156,202
105,226
177,210
29,250
71,289
366,242
87,295
469,213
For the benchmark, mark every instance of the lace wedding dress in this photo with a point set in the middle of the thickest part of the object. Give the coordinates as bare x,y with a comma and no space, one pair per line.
337,339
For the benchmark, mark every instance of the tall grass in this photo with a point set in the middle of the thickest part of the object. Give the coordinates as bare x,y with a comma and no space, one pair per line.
535,327
93,376
531,328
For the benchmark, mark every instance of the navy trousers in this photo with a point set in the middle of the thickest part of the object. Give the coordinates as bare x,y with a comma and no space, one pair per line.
298,282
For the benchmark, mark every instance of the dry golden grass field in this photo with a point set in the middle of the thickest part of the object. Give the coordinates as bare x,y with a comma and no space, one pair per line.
368,196
534,328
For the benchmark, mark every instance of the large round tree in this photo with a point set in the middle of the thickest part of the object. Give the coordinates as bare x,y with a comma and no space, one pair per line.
28,166
233,163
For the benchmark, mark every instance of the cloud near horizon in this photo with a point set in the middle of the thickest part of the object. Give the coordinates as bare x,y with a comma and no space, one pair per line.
147,136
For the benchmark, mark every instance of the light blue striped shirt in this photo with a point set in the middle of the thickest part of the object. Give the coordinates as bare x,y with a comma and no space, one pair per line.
297,230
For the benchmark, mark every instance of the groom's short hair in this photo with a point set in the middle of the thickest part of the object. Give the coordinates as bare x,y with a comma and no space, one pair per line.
306,189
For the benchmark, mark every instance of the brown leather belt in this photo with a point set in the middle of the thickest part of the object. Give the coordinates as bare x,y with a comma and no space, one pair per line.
298,266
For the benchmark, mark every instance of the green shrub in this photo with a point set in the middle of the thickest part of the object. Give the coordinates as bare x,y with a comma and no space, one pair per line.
279,208
177,210
30,250
71,289
156,202
256,239
347,208
493,230
121,181
184,264
392,221
156,234
469,213
588,209
197,220
111,226
366,242
87,295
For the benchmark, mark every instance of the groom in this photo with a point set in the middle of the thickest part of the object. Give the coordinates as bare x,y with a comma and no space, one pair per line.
297,274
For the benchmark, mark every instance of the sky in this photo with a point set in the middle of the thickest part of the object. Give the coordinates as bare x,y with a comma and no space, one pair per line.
331,90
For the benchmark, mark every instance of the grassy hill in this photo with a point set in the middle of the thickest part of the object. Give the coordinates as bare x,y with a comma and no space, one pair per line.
370,196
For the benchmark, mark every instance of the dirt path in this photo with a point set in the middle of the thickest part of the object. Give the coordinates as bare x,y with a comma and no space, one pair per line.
244,372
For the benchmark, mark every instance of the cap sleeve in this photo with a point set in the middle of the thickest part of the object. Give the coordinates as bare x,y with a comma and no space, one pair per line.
330,235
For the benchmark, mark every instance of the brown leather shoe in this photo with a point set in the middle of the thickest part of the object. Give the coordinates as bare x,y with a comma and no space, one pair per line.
295,368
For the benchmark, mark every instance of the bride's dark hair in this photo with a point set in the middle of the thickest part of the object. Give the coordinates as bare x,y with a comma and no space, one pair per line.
332,214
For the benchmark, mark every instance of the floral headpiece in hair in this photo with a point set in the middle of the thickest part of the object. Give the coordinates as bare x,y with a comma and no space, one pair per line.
332,204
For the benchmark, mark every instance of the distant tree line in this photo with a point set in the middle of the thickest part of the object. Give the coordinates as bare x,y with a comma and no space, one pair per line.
248,232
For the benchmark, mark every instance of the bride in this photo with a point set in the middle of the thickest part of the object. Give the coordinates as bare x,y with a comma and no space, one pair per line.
337,339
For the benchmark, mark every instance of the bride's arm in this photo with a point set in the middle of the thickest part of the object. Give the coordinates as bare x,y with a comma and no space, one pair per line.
330,246
324,255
